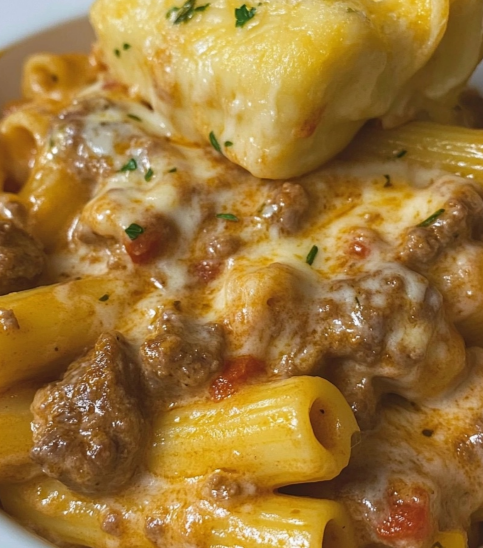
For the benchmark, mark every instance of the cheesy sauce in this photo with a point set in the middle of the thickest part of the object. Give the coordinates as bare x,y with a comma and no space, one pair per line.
341,273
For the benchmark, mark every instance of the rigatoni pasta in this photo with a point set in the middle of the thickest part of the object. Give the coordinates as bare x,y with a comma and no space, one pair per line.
15,433
270,519
55,76
40,332
454,149
291,431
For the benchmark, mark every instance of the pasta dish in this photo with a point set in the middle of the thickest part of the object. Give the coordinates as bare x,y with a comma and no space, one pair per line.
242,279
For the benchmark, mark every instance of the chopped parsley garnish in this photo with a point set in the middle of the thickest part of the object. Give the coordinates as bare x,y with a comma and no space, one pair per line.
400,153
126,46
117,52
351,10
149,175
174,9
186,12
430,220
132,165
228,143
214,142
173,170
388,181
228,217
134,231
243,15
311,255
134,117
104,298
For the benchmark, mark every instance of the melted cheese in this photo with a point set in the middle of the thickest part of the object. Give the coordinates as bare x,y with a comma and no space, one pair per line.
292,86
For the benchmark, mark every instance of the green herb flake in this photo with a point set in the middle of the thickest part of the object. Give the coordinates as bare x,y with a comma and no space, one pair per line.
126,46
214,142
351,10
430,220
172,10
186,12
173,170
104,298
243,15
134,117
311,255
132,165
400,153
134,231
149,175
388,181
228,217
117,52
228,143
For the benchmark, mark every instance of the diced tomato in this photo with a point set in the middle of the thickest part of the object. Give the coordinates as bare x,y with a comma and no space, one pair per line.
235,373
408,518
153,242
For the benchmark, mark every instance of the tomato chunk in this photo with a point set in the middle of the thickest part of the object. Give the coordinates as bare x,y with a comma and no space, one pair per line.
235,373
156,238
408,517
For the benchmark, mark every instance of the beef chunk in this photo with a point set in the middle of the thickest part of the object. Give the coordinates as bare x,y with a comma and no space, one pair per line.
461,219
377,332
180,355
21,258
396,337
88,427
287,207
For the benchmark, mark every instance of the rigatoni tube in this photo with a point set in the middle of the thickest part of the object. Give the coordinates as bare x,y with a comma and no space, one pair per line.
285,432
455,149
149,516
15,433
54,324
278,520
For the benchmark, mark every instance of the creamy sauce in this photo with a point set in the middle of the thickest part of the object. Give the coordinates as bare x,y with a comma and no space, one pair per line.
215,244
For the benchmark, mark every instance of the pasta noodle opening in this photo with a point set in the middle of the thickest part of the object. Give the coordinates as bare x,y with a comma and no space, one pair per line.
40,78
54,76
323,425
334,536
21,148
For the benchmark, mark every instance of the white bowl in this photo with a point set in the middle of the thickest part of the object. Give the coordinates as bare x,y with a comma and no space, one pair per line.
29,26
